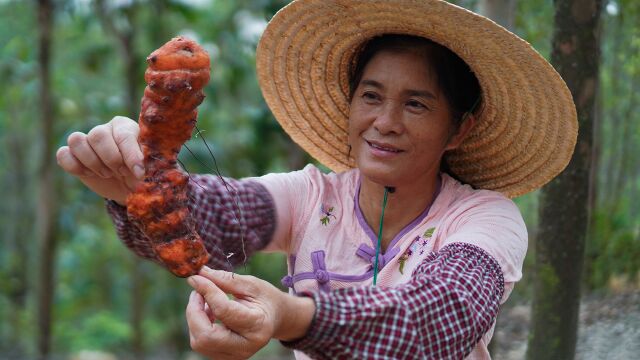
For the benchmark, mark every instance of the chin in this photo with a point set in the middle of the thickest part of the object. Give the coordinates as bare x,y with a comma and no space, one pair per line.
380,174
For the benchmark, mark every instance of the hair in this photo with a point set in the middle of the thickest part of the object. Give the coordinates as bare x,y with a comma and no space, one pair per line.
455,79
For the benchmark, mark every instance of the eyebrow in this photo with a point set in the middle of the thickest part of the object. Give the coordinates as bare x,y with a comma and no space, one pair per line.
422,93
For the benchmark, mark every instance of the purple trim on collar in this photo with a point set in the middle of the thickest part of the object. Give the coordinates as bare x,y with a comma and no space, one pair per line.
369,254
369,231
320,270
311,275
323,277
287,281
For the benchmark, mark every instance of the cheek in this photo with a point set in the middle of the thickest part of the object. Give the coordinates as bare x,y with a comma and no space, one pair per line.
357,124
431,141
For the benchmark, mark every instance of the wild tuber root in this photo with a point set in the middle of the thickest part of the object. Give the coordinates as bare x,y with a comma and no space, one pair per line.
175,76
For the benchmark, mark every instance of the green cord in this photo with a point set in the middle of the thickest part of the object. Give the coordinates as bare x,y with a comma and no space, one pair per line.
375,266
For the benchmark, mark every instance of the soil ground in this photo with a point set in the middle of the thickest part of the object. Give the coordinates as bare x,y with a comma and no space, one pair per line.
609,328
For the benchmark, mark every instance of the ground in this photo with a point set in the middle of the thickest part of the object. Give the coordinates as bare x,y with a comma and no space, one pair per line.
609,328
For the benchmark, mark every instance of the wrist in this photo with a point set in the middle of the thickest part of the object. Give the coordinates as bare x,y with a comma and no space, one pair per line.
297,316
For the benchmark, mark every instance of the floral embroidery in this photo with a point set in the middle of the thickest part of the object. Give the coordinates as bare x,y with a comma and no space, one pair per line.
408,253
326,215
429,232
420,241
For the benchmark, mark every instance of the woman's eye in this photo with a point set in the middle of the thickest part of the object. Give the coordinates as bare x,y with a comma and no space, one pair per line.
416,104
370,96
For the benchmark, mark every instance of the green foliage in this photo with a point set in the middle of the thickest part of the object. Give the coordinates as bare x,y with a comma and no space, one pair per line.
103,330
613,249
613,244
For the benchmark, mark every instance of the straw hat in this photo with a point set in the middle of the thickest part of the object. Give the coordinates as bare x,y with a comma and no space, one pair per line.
525,132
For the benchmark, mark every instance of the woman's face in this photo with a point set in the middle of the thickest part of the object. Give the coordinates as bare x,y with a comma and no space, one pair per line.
400,123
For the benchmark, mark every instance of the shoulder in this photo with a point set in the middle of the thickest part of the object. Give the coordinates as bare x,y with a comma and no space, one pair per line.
487,219
310,176
461,200
304,190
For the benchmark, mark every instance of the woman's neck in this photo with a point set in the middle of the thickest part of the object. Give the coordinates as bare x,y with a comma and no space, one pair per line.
403,205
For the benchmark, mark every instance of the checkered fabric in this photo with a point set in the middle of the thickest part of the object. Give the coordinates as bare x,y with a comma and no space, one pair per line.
450,302
237,222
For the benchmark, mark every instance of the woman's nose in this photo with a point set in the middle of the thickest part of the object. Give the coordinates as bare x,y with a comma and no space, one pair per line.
389,119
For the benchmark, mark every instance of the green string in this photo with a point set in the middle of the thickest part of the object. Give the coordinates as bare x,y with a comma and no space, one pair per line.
375,266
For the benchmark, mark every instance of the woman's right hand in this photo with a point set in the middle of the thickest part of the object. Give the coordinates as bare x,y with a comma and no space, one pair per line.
108,159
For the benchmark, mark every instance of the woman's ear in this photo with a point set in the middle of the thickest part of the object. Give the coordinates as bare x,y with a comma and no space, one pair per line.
461,133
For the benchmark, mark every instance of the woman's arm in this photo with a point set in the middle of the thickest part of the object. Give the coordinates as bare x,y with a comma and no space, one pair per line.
231,222
450,302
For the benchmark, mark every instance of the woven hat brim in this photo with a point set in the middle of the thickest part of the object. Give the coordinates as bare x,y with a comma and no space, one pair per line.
525,133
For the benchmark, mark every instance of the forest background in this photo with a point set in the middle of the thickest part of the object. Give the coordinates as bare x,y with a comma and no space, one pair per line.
70,289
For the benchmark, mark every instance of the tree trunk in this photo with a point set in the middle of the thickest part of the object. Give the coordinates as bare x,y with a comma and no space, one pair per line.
564,202
500,11
46,208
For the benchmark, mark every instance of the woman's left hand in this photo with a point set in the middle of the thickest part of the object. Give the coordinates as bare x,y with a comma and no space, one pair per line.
258,313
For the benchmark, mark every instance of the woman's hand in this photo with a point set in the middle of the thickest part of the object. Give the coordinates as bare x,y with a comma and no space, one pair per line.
258,313
108,160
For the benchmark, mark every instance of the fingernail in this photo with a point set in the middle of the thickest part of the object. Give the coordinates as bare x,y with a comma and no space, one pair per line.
89,174
192,281
138,171
207,269
192,295
105,174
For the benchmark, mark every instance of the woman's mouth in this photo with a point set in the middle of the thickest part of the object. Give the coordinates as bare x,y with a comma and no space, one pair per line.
382,149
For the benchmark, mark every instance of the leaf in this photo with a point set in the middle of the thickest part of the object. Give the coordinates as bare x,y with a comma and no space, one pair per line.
402,261
429,232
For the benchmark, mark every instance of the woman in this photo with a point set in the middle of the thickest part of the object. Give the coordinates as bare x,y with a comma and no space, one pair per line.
406,251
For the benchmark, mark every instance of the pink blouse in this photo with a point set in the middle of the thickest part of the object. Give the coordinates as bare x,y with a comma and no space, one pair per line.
330,245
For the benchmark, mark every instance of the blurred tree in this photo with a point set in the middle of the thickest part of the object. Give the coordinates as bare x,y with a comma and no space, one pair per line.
47,201
500,11
564,204
613,237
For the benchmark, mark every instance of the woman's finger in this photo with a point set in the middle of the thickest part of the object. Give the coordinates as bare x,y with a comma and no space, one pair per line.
197,319
82,151
70,163
232,314
125,134
229,282
207,337
209,312
100,138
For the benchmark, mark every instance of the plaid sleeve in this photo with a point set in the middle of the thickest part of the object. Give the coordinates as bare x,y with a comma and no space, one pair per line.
451,300
232,222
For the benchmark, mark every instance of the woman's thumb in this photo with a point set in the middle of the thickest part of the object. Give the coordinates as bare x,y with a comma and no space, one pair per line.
231,283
